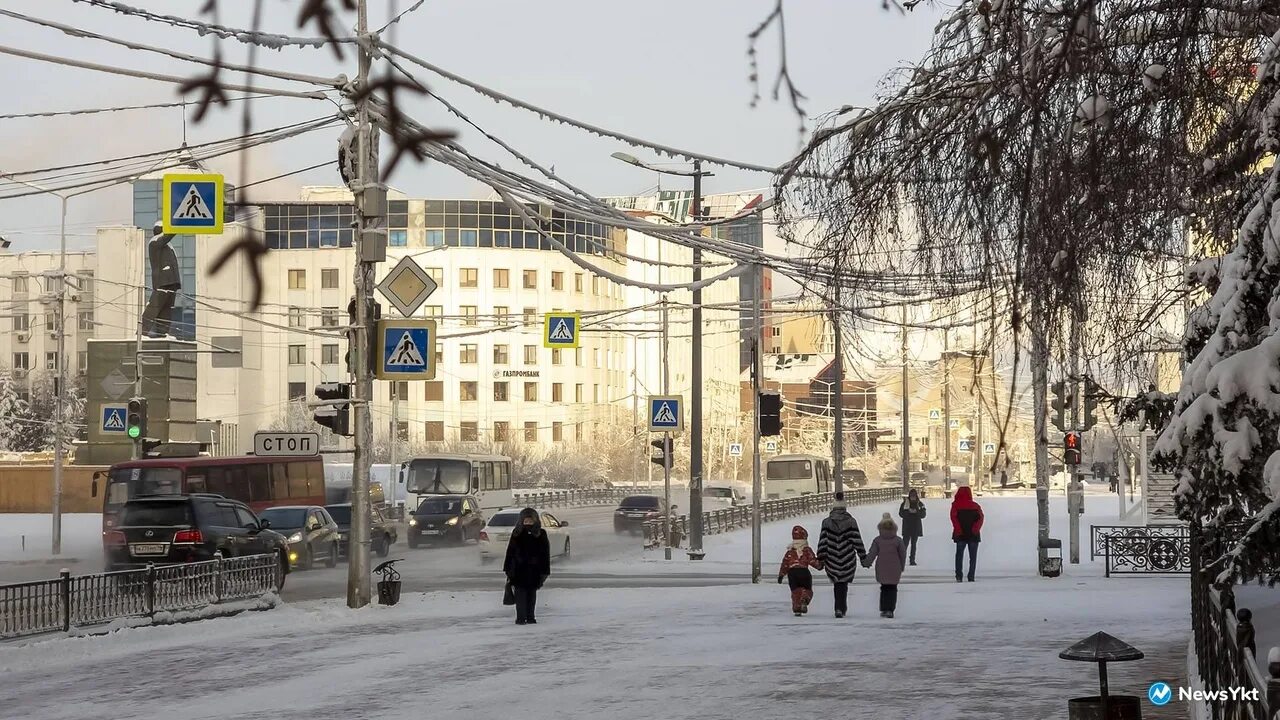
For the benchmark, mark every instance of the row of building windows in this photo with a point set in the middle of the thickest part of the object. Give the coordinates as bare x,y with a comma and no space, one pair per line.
328,279
469,354
22,321
469,431
22,362
22,282
470,278
469,391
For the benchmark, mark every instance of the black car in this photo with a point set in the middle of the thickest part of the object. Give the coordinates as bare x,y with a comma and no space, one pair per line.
854,477
311,533
382,532
172,529
634,511
448,518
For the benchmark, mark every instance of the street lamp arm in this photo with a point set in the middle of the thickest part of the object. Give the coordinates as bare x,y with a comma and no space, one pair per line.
633,160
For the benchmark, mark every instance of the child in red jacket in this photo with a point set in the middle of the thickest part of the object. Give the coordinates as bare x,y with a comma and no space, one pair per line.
795,568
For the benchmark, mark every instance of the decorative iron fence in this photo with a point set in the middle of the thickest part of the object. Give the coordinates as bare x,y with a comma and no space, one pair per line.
719,521
1142,549
68,602
568,498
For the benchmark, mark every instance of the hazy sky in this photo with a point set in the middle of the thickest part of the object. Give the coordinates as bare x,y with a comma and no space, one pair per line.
673,71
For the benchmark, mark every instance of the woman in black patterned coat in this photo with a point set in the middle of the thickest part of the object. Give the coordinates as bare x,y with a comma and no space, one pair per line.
840,549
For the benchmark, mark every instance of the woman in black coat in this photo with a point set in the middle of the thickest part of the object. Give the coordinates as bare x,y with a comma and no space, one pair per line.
912,513
528,564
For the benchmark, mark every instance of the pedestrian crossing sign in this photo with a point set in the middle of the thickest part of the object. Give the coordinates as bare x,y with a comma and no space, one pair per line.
666,413
192,204
935,414
407,349
989,449
113,419
966,445
560,329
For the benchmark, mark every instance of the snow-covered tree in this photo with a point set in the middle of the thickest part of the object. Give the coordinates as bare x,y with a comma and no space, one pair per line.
12,410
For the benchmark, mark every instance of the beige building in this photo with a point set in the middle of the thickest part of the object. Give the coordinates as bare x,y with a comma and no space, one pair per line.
28,292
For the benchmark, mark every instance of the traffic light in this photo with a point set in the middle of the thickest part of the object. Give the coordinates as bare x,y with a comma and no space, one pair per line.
136,420
1091,392
770,414
1071,448
335,417
664,450
371,332
1059,404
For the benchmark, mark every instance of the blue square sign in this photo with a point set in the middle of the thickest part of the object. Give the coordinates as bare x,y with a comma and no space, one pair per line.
666,413
192,204
407,349
113,419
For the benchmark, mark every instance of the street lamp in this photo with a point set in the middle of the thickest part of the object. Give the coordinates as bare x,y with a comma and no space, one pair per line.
695,399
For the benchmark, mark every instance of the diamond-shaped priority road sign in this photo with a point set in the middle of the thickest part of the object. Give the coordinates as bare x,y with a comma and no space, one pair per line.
407,286
406,348
192,204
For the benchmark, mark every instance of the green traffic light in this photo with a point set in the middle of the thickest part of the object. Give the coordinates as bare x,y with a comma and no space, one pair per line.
134,432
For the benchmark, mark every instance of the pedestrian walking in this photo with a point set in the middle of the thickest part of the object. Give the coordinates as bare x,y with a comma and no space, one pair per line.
528,564
912,513
889,554
839,550
966,530
795,568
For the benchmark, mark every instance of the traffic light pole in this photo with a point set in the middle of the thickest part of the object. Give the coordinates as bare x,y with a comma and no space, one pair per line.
695,395
757,379
1073,471
837,405
666,442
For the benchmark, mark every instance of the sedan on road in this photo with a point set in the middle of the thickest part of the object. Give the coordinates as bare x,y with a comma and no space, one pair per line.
446,518
497,533
311,533
382,532
634,511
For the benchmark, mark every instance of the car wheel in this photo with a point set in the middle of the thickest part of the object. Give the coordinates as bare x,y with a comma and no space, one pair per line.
332,560
413,542
384,547
305,560
283,571
566,549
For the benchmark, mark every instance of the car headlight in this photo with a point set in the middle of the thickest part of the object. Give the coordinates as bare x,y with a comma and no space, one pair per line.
412,522
296,537
451,521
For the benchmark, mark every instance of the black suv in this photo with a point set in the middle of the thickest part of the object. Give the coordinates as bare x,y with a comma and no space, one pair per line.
450,518
382,532
634,511
171,529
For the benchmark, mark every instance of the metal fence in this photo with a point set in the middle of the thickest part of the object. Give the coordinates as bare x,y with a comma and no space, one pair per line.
1226,654
719,521
570,498
68,601
1142,549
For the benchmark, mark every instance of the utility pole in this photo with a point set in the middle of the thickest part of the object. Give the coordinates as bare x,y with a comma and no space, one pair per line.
59,407
837,444
757,379
1040,391
1073,388
695,404
946,407
906,411
976,375
666,438
395,430
371,249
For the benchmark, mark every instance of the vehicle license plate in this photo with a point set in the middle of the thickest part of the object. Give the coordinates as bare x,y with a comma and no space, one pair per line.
149,548
430,532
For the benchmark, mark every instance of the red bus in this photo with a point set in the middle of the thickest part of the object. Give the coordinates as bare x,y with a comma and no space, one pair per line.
259,482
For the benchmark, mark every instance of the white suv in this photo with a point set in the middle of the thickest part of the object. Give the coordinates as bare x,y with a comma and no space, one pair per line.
719,497
496,534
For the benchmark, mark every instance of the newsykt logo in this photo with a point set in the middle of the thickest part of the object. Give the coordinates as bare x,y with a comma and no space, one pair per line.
1159,693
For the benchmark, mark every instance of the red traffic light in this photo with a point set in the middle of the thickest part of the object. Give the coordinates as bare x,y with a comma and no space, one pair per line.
1071,441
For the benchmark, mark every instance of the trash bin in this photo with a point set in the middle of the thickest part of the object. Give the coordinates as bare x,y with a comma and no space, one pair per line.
389,585
1102,648
1052,564
1119,707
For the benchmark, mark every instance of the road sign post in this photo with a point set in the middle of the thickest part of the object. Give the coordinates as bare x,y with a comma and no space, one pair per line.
276,444
407,349
666,413
192,204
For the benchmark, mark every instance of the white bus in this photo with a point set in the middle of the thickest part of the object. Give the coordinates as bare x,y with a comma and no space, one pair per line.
795,475
487,477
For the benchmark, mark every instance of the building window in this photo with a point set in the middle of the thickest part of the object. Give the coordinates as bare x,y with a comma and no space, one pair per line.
469,432
436,274
433,311
19,284
595,394
530,315
297,318
577,392
297,391
468,277
470,315
555,356
434,430
51,361
82,362
557,431
501,392
501,314
501,278
397,238
557,281
297,279
501,431
577,282
577,432
530,279
297,354
21,321
530,354
468,390
329,317
329,279
468,353
595,358
50,324
557,392
398,390
501,355
84,320
402,430
468,238
577,357
21,361
531,391
328,354
434,390
531,432
435,238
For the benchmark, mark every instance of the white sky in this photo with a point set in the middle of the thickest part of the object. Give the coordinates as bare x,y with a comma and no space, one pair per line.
667,70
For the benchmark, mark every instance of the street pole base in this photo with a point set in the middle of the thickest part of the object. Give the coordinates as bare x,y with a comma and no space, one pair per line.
667,552
696,554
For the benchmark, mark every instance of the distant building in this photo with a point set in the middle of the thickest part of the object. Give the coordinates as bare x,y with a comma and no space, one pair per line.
28,330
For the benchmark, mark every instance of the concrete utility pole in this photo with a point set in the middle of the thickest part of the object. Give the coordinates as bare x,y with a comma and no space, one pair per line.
906,411
757,379
976,375
695,404
837,442
1040,391
666,439
946,407
395,431
1073,389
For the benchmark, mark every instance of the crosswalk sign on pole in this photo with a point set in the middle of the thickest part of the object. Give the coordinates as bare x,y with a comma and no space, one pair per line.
561,329
192,204
935,414
407,349
666,413
113,419
966,445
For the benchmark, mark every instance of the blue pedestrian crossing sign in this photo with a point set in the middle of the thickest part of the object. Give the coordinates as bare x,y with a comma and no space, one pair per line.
966,445
113,419
407,349
666,413
560,329
192,204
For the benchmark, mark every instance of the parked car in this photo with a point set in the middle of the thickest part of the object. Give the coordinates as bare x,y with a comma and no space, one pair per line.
719,497
855,478
497,533
172,529
919,480
382,532
448,518
634,511
311,533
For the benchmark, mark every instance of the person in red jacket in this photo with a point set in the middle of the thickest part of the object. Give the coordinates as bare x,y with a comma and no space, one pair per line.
966,530
795,568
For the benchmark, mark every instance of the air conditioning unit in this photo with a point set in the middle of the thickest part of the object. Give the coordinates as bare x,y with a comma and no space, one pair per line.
24,336
20,372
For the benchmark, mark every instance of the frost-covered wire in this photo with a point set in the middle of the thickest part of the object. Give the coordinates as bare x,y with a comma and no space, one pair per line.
274,41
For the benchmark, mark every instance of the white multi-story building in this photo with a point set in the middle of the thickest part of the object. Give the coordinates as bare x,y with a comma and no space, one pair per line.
28,293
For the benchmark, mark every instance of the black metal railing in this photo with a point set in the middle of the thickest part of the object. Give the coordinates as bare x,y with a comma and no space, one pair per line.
70,601
1141,549
1223,637
719,521
572,498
